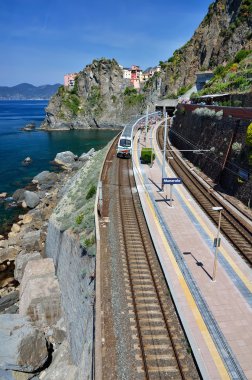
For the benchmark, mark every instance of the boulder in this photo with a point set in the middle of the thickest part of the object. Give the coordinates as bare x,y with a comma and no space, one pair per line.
9,253
61,367
65,158
3,195
24,205
8,300
45,178
23,347
27,160
40,296
18,195
86,156
29,127
27,219
31,199
21,261
15,228
31,241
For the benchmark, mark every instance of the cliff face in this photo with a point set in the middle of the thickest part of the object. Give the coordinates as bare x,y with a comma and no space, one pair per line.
225,30
97,99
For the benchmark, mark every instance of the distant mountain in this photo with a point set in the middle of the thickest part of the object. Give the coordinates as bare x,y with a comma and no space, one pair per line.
28,91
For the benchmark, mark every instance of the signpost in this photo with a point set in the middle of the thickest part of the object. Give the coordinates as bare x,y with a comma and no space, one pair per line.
171,182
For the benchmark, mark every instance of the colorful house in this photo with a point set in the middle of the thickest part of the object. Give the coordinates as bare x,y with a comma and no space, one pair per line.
69,79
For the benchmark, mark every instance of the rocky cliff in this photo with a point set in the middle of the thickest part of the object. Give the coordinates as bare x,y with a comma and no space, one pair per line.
225,30
97,99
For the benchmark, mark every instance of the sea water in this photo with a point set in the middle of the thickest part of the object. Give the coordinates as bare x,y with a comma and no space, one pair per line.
40,146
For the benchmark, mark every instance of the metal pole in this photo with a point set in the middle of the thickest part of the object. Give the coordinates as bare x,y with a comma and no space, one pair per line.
151,146
164,151
216,248
171,195
146,124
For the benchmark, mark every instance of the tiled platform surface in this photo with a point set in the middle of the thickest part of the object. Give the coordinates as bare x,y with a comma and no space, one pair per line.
213,313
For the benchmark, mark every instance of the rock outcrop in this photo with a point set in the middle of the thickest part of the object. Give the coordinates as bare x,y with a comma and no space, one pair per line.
96,101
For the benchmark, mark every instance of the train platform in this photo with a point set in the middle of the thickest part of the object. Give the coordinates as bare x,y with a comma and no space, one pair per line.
216,315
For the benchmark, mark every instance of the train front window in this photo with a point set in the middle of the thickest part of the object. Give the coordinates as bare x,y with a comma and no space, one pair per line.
125,143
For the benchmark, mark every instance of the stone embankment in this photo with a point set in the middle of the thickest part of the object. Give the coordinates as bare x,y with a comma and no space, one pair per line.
38,295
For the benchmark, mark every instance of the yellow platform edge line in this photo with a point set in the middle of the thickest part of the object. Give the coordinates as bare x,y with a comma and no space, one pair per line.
194,308
234,266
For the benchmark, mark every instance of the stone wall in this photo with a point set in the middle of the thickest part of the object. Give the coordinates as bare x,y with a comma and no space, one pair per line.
73,271
224,137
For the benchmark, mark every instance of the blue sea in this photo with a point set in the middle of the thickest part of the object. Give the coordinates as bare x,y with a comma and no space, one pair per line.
41,146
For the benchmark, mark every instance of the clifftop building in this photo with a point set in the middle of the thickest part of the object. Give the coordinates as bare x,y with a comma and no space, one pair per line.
69,79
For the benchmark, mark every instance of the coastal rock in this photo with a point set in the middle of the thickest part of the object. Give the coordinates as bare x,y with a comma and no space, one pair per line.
18,195
24,205
15,228
8,300
23,347
61,367
27,161
86,156
9,253
46,178
31,199
29,127
27,219
21,261
3,195
65,158
40,296
31,241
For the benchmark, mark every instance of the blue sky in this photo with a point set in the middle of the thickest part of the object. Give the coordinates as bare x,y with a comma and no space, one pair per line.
41,40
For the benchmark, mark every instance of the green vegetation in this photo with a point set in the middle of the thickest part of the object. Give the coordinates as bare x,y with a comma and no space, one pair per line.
146,154
79,218
235,77
184,89
249,135
206,112
72,102
132,98
91,192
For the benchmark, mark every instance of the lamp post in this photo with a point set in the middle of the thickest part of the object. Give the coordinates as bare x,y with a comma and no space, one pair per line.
216,241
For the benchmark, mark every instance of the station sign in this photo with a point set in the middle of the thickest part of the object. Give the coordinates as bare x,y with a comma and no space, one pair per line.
171,181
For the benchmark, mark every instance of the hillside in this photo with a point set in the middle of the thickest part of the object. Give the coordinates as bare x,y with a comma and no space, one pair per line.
225,30
28,91
235,77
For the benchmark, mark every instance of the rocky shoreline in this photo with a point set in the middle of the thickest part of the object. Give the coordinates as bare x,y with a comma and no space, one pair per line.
31,318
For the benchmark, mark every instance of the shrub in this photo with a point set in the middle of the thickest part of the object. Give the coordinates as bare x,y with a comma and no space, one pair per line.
205,112
249,135
91,192
236,147
89,242
242,54
146,155
129,91
79,218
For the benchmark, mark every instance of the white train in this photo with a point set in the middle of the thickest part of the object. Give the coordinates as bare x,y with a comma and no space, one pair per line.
124,147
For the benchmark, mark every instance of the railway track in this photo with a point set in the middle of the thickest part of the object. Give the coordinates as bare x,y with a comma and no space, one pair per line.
237,230
159,342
